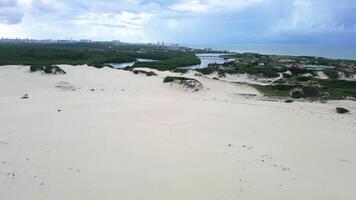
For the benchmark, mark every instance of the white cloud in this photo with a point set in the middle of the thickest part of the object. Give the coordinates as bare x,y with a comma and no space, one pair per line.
124,19
10,12
212,5
175,20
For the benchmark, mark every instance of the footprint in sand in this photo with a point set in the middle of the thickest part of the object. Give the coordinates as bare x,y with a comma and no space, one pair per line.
3,143
25,96
72,169
65,86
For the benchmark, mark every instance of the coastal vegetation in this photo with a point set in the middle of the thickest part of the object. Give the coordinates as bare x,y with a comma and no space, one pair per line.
292,76
147,73
48,69
313,89
171,61
284,76
189,83
95,54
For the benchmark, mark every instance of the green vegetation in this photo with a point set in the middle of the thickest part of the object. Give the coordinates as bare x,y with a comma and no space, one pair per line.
172,61
302,79
271,71
331,73
180,70
48,69
285,75
59,54
342,110
150,73
169,79
339,89
320,89
95,54
189,83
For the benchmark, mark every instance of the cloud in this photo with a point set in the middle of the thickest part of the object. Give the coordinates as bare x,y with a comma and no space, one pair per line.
10,12
184,21
204,6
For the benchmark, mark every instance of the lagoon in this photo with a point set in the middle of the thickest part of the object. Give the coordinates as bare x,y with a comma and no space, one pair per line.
129,64
208,58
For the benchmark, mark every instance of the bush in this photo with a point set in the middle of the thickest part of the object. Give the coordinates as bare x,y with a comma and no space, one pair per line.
190,83
285,75
208,70
311,91
270,74
150,73
283,87
35,68
169,79
97,65
296,94
302,78
331,73
48,69
342,110
298,71
180,70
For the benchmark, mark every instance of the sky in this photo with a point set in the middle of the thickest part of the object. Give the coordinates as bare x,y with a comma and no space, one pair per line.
182,21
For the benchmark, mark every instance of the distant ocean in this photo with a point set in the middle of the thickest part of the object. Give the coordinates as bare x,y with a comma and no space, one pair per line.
329,51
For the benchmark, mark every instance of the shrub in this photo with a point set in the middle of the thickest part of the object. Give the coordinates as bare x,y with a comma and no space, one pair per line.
302,78
296,94
283,87
150,73
331,73
169,79
342,110
180,70
311,91
48,69
270,74
190,83
285,75
52,69
35,68
298,71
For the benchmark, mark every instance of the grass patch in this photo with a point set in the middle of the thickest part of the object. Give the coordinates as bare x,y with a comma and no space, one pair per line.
339,89
48,69
332,73
169,79
150,73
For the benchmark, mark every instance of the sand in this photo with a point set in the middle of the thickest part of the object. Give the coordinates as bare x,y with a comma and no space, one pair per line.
105,134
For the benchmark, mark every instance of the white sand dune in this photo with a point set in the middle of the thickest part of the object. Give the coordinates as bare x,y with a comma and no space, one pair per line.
105,134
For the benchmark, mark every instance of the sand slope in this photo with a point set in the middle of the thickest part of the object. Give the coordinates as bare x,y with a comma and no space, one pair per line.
125,136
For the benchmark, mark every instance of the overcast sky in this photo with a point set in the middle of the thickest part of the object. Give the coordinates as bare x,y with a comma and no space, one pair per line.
182,21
